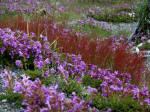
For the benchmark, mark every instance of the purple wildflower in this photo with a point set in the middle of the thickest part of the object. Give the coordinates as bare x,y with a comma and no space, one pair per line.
108,110
92,90
52,70
18,63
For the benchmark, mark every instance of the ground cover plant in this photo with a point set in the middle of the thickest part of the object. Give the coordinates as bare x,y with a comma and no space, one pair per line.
66,70
121,11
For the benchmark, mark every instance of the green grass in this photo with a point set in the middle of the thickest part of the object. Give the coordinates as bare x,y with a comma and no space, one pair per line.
72,86
122,33
92,82
12,97
38,74
126,104
92,31
145,46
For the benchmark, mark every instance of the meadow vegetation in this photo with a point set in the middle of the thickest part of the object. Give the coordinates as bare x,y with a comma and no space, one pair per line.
65,67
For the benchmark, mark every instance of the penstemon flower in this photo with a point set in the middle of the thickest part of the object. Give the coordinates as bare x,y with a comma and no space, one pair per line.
18,63
37,97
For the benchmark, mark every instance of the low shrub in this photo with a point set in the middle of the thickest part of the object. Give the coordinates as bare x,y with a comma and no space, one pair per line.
120,12
117,17
92,82
49,80
33,74
145,46
12,97
117,104
72,86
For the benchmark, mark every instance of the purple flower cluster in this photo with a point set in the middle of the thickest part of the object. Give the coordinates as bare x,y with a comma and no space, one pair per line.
102,10
32,6
7,79
73,67
37,97
24,46
92,22
24,6
92,90
120,84
18,63
118,11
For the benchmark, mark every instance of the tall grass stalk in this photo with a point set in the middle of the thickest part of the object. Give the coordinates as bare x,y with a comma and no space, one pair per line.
38,33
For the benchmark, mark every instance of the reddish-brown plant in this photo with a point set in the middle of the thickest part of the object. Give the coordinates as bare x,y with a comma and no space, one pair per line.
124,61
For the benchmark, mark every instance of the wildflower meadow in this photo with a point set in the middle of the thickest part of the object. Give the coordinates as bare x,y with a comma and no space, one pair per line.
72,56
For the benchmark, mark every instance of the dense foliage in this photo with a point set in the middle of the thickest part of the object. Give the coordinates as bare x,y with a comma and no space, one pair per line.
65,69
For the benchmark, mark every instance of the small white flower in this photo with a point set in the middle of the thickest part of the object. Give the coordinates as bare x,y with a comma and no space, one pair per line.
131,14
139,45
137,50
148,41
